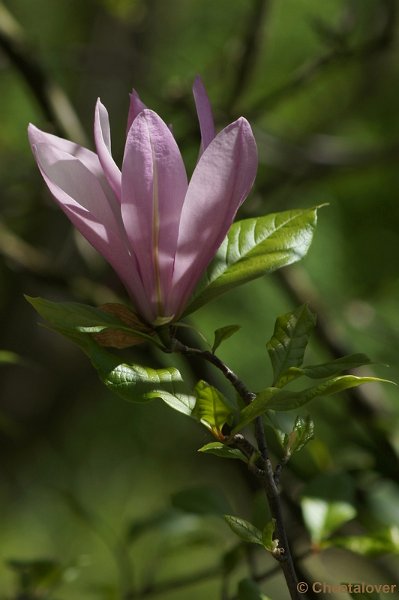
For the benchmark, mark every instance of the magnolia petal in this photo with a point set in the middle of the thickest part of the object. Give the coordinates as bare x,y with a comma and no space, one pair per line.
135,108
154,184
102,138
220,183
80,196
204,112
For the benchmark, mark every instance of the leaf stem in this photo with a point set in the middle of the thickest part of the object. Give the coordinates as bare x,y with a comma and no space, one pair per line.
266,474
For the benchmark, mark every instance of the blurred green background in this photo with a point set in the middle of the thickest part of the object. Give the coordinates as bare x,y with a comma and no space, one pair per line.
79,467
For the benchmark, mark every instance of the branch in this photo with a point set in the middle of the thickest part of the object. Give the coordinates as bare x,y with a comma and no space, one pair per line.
51,99
266,474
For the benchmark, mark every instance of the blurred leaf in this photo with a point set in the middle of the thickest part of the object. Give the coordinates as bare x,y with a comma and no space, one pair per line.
382,542
201,500
244,529
223,334
232,558
211,408
36,574
364,595
11,358
301,434
254,247
327,503
249,590
182,403
286,400
345,363
158,521
224,451
287,346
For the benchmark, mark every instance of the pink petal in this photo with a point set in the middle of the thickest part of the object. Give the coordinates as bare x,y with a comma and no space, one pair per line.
154,184
102,138
135,108
220,183
204,112
79,194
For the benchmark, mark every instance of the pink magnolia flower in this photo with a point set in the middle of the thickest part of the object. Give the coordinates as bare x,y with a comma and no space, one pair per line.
157,231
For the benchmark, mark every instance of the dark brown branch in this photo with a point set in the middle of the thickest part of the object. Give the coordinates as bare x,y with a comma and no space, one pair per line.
265,474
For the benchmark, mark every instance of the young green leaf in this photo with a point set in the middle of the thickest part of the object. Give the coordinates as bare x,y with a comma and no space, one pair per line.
256,408
212,408
219,449
254,247
267,535
182,403
244,529
285,400
223,334
334,367
302,433
287,346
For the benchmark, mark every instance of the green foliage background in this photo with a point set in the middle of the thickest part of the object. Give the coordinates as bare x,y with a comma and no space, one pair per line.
319,83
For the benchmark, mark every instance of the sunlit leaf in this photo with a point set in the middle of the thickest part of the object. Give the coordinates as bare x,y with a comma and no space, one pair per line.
223,451
327,502
244,529
223,333
287,346
212,408
286,400
182,403
334,367
201,500
254,247
73,316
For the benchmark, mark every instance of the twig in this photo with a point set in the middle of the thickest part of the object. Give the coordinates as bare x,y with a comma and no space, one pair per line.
251,45
266,474
308,72
50,97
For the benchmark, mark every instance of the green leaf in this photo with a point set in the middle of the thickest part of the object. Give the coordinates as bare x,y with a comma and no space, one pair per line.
267,535
211,408
254,247
219,449
244,529
329,369
72,316
381,543
249,590
201,500
286,400
302,433
327,502
287,346
131,382
182,403
223,334
256,408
